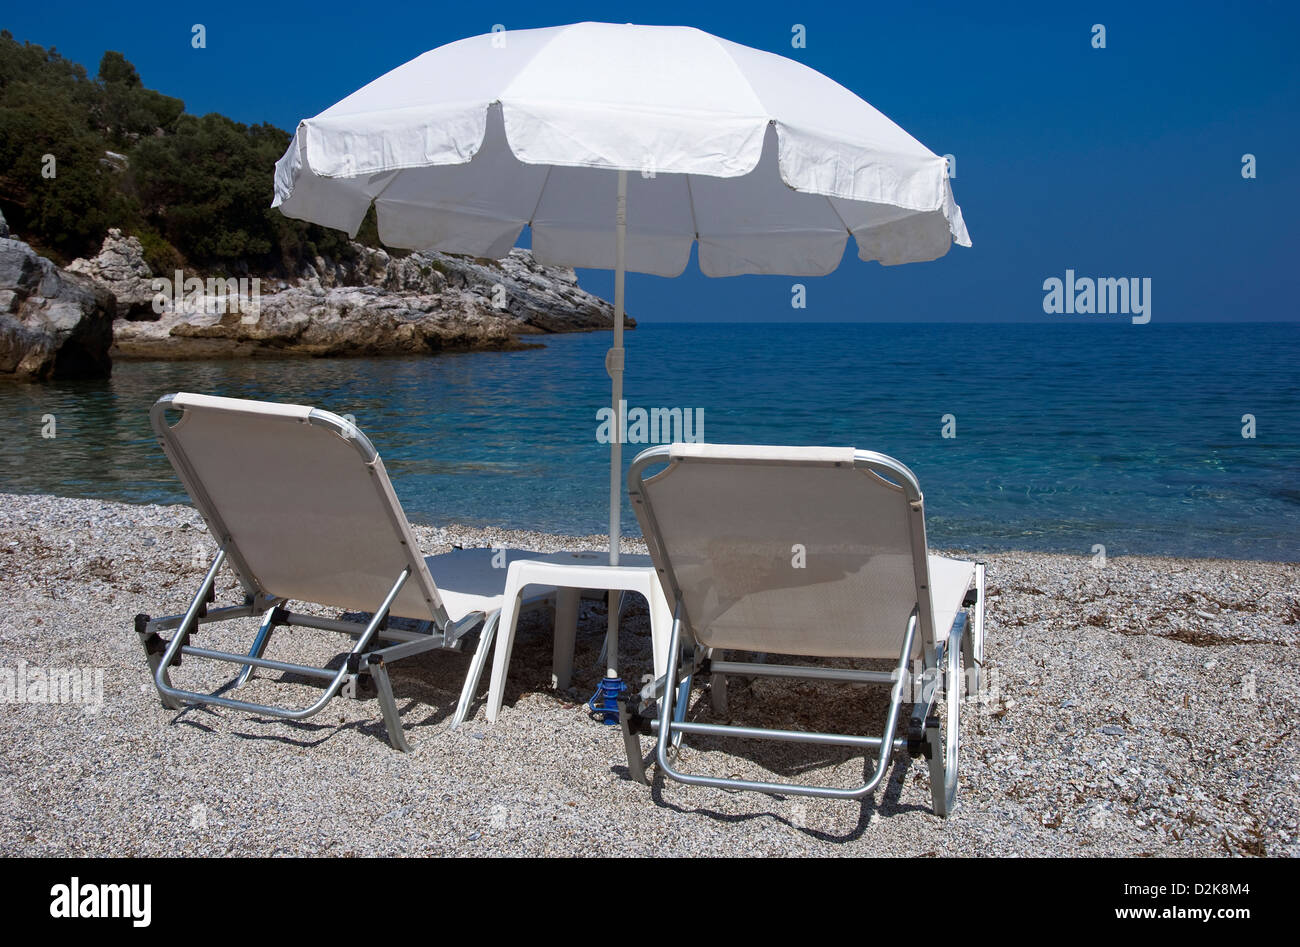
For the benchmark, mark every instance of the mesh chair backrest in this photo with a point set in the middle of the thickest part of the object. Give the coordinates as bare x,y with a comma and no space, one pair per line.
302,500
797,551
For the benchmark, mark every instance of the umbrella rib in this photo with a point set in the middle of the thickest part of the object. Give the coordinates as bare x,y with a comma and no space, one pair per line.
392,176
838,217
541,192
690,198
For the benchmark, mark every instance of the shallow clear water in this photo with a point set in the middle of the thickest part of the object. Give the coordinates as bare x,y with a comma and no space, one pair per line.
1067,435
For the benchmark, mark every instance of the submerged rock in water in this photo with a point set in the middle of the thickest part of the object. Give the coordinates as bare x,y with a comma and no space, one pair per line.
53,324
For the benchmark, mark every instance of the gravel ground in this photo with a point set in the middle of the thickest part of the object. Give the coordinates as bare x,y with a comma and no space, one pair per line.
1144,707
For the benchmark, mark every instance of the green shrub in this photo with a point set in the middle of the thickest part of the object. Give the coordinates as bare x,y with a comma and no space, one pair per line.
163,258
197,189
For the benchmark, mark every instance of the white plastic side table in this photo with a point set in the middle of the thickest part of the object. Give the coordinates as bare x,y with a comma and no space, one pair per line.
570,576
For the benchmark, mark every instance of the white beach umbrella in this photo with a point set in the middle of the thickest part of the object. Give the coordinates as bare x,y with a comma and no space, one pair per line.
620,146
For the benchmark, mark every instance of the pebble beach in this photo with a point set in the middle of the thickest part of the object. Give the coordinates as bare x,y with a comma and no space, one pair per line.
1144,706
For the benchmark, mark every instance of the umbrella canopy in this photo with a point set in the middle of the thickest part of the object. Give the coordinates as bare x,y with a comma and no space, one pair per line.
621,146
765,162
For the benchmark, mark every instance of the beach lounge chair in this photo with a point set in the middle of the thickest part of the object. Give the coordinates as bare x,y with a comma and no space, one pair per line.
302,510
803,551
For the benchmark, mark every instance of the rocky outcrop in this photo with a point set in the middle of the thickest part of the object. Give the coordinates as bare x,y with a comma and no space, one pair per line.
4,226
536,298
373,303
342,321
121,269
53,324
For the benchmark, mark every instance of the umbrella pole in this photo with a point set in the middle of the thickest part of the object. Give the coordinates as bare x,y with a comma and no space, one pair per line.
612,686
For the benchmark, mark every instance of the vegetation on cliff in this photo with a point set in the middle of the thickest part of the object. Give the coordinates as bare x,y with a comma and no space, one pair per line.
80,154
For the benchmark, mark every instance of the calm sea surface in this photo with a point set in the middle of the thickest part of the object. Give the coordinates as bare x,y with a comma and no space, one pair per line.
1066,435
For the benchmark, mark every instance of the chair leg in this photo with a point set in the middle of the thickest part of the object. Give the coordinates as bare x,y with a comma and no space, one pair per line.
681,704
486,635
666,703
718,688
159,663
718,694
661,623
170,703
566,631
505,643
259,645
388,704
154,649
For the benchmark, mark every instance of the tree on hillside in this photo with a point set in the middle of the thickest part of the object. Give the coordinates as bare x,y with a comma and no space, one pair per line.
114,69
51,180
195,190
129,111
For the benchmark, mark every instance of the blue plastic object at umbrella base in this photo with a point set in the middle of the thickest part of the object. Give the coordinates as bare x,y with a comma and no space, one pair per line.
605,700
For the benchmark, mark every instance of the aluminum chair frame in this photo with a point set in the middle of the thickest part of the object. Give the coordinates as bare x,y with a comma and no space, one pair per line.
658,715
364,660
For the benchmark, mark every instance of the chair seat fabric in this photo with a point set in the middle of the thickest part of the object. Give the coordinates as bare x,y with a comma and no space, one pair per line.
949,581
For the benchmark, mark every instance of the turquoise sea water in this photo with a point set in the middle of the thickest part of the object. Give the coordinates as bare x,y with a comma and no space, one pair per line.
1067,435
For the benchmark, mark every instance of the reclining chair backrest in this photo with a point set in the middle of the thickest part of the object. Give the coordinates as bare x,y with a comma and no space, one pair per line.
790,550
301,500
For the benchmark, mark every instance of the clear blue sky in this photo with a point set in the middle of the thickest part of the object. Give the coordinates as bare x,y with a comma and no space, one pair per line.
1117,162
